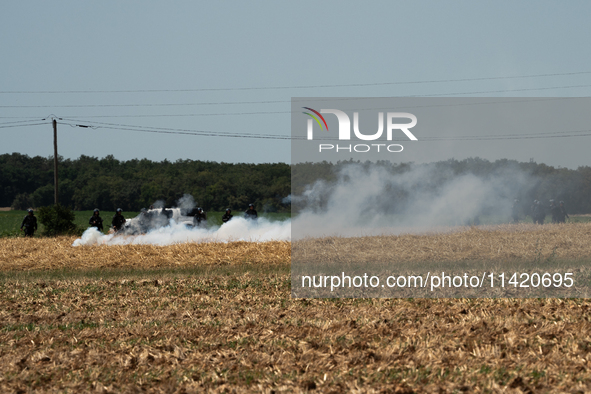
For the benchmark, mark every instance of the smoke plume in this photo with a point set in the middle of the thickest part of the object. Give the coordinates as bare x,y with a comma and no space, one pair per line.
365,199
370,200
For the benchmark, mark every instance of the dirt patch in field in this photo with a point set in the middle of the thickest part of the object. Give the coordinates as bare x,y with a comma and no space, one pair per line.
4,209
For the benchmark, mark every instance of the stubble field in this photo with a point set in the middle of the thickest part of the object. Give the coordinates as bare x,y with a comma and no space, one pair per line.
219,318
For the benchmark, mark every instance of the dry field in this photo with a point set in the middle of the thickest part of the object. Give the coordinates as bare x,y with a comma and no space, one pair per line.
29,254
524,249
219,318
524,242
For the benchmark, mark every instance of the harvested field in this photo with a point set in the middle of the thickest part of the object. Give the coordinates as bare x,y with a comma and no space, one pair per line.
125,321
244,333
17,254
503,242
519,252
506,242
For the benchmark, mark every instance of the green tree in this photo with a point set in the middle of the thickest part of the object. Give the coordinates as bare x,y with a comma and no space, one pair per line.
57,220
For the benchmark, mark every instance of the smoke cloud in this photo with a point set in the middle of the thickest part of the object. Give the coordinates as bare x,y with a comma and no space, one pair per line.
186,203
237,229
365,199
159,204
370,200
162,226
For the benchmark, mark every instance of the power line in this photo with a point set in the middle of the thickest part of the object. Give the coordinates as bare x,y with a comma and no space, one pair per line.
19,121
21,125
264,102
203,133
299,86
501,91
162,130
19,117
288,112
558,134
208,133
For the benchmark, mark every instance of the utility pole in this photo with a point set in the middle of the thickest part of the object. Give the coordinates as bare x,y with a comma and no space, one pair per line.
55,160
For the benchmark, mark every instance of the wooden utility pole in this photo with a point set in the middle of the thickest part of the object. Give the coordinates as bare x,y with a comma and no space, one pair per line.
55,160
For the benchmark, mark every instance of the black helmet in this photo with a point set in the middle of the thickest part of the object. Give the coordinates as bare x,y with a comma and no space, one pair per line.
228,210
96,210
199,209
30,210
250,205
119,210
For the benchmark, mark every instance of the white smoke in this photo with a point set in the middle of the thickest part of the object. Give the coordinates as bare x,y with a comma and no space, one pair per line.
370,200
159,204
364,200
237,229
186,203
286,200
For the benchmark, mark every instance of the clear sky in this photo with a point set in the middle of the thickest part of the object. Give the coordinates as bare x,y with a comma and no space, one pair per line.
140,65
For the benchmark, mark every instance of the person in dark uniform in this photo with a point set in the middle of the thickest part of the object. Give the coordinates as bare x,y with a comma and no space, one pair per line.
251,213
532,211
118,220
515,211
555,211
539,213
166,212
227,216
200,218
29,223
562,215
96,220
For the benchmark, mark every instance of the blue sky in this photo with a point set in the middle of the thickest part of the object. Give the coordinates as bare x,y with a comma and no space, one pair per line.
145,64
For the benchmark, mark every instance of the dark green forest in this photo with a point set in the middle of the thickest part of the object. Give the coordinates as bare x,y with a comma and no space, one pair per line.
89,182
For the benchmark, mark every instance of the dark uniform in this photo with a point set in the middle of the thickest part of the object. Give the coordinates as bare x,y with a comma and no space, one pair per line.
200,218
30,224
227,216
555,211
562,215
96,220
166,213
539,213
118,220
515,211
251,213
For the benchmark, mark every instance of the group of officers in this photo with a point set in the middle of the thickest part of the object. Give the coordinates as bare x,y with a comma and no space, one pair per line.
538,211
117,222
146,218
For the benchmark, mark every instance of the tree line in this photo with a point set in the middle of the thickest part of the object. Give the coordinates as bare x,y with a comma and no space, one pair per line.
107,183
89,182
